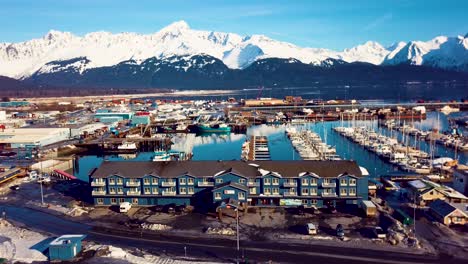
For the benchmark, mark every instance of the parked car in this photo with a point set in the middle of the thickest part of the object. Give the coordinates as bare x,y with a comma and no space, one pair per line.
339,231
15,187
311,229
124,207
379,232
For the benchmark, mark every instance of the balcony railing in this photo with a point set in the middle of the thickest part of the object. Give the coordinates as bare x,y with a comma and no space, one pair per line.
168,184
96,184
205,184
98,192
253,184
133,193
332,194
167,193
328,185
290,184
290,193
133,184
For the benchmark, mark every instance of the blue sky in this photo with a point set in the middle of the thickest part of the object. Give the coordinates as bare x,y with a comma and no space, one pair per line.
325,24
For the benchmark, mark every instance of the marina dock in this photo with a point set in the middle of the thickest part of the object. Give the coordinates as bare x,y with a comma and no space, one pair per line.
259,148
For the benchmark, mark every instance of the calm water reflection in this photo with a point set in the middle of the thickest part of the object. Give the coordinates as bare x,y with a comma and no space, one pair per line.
228,147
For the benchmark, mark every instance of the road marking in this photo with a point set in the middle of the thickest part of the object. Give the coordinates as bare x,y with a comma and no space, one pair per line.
369,259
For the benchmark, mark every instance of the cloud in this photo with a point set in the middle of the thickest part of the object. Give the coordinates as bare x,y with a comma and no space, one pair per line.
379,21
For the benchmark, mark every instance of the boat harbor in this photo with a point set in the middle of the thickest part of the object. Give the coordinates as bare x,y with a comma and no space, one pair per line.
310,146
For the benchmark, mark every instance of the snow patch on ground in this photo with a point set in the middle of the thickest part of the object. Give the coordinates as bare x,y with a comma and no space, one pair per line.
114,255
16,244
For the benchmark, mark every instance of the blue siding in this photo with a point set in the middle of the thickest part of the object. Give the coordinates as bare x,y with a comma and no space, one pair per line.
147,197
229,192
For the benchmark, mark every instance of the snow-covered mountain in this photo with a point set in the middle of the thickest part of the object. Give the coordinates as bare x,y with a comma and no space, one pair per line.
440,52
63,51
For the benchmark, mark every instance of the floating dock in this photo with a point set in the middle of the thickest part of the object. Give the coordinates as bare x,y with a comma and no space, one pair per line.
259,148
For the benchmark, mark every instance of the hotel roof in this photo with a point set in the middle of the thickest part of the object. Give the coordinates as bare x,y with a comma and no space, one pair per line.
171,169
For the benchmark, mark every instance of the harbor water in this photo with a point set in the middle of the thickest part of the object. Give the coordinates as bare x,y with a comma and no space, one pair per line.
228,146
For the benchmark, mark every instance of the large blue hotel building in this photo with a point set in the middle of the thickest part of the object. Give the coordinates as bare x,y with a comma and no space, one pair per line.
209,183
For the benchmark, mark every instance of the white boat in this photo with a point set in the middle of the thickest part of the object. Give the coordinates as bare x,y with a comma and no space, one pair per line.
161,156
447,109
127,146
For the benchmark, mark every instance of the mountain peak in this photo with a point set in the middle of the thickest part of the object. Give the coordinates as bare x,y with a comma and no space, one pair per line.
176,26
55,34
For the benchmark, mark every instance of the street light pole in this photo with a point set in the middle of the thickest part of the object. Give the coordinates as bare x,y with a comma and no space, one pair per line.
237,221
414,216
41,180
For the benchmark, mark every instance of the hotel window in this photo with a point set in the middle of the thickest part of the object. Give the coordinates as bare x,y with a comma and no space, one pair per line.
135,201
292,190
147,190
241,195
122,200
313,191
326,181
313,181
305,202
146,181
267,191
119,181
343,182
217,195
155,190
191,190
275,181
219,180
242,181
154,181
313,201
100,201
305,191
182,181
275,191
352,182
343,192
267,181
253,190
352,192
113,201
305,182
183,190
190,181
172,190
119,190
111,181
112,190
326,191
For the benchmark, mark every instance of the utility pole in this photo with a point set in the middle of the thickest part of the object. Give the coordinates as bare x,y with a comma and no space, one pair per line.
237,221
414,216
40,181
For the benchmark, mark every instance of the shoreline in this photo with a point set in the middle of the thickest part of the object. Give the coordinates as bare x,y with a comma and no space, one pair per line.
79,99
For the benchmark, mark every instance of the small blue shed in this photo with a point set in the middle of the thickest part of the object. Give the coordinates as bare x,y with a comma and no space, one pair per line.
65,247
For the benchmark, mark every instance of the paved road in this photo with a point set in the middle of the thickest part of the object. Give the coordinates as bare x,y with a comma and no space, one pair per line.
217,249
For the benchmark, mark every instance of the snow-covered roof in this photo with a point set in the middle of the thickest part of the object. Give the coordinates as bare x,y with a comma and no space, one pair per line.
364,171
65,238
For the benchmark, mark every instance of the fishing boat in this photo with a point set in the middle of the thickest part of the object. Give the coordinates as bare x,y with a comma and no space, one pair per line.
127,146
213,128
161,156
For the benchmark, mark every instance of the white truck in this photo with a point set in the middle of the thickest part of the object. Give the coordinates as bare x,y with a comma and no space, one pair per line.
125,206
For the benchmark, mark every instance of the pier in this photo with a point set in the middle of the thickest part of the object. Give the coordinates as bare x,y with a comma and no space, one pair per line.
259,148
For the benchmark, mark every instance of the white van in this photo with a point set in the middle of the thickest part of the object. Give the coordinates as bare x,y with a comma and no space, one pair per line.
125,206
311,229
